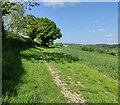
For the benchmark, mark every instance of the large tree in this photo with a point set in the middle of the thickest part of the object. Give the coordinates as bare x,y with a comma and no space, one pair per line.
30,26
16,19
6,8
41,30
47,31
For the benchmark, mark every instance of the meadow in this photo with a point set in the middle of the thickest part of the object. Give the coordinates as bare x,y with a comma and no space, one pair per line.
59,75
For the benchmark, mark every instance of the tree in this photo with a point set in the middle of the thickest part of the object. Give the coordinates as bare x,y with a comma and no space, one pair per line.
30,26
42,30
6,8
47,31
16,19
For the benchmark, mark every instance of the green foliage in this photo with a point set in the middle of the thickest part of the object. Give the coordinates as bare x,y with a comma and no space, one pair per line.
58,45
30,26
100,48
16,19
87,48
7,7
43,30
47,31
13,40
52,56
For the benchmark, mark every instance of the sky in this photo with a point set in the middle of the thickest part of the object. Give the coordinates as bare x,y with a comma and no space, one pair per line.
82,22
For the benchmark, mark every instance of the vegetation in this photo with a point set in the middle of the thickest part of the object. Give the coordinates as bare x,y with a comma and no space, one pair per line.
82,79
96,60
30,79
100,48
41,30
27,80
37,71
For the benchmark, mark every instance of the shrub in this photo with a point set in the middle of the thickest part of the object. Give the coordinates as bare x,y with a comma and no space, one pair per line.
112,53
100,50
85,48
91,49
58,45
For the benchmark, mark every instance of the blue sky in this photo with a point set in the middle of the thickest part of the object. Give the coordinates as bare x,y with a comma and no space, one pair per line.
82,22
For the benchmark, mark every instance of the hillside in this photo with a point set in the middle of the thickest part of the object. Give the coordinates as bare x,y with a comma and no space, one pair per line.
59,75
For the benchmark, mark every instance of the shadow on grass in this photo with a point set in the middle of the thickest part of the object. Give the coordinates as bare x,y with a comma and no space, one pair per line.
12,71
52,56
12,66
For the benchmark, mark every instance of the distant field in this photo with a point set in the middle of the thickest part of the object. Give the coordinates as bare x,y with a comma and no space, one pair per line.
104,63
59,75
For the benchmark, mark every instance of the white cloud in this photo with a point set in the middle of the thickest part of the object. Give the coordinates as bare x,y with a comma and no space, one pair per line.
59,3
111,37
83,40
64,0
52,3
98,30
101,30
92,30
49,1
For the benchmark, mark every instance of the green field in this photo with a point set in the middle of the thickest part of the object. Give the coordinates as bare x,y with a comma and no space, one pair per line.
59,75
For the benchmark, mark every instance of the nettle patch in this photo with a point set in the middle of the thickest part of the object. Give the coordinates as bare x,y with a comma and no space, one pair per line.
52,56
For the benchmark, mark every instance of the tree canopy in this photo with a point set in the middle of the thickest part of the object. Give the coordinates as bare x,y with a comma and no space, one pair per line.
41,30
47,31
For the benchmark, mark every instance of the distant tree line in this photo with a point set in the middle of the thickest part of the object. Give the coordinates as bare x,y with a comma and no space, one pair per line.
113,49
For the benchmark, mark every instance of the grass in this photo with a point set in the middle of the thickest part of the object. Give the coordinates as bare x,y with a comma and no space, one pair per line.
107,64
92,85
26,78
34,86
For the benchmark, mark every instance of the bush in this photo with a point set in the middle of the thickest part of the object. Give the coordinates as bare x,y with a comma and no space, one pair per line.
58,45
85,48
100,50
113,53
91,49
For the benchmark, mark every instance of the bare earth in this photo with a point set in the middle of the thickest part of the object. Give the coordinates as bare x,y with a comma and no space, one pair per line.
73,97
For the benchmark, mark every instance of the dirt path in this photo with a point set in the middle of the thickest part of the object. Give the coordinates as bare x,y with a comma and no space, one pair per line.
73,97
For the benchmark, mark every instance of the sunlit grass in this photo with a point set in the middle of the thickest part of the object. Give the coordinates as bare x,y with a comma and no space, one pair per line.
107,64
92,85
27,79
35,85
